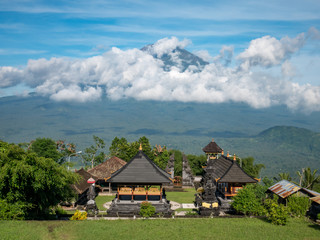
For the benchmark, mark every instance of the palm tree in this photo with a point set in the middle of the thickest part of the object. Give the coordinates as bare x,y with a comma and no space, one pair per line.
283,176
307,178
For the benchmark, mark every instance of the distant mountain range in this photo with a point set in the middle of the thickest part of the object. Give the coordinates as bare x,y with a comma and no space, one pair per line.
188,127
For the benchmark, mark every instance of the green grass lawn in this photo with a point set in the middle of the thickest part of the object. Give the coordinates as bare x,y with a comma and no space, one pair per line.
182,197
209,228
100,200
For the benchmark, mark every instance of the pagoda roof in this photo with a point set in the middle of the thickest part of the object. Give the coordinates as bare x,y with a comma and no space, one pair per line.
140,170
105,169
81,186
227,170
212,147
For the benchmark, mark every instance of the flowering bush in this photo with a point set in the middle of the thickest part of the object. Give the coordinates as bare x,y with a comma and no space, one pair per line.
147,210
79,215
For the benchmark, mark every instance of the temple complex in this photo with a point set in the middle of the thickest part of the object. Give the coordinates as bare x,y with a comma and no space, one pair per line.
222,179
226,172
137,181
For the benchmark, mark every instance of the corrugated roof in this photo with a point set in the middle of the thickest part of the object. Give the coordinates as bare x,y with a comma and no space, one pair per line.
316,199
140,169
212,147
105,169
310,192
284,188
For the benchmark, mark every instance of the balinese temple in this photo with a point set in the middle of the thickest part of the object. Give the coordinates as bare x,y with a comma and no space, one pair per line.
104,170
137,181
227,174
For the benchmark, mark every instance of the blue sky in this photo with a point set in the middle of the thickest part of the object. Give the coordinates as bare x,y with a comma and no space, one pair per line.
83,29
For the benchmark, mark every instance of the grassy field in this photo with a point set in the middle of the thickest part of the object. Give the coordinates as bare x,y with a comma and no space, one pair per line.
182,197
209,228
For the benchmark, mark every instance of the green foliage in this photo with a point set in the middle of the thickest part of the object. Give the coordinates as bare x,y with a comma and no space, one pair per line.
249,167
276,213
94,155
268,182
283,176
318,216
307,178
298,205
47,148
249,200
196,163
13,211
38,183
126,151
119,148
177,162
79,215
147,210
161,156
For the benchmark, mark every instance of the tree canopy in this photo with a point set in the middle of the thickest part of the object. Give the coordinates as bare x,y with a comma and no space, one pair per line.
38,183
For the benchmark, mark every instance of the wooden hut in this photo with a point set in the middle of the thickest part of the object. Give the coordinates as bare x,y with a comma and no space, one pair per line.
139,180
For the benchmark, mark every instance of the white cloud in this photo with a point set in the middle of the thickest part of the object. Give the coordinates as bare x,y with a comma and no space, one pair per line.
269,51
136,74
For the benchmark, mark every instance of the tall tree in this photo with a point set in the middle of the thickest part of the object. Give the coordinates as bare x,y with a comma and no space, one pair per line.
161,156
119,147
308,178
46,147
249,167
196,163
36,182
283,176
94,155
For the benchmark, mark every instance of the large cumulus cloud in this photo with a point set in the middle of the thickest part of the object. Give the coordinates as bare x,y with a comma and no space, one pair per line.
137,74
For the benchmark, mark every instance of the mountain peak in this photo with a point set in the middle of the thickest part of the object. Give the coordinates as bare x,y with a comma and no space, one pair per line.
176,57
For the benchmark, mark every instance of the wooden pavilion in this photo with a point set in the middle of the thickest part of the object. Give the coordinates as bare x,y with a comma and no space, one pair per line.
227,174
139,180
104,170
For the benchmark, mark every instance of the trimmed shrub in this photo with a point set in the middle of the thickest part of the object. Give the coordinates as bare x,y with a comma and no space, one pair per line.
249,200
79,215
147,210
276,213
298,206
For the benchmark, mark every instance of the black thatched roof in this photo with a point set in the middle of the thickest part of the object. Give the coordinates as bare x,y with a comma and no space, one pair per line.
140,170
212,147
82,185
227,170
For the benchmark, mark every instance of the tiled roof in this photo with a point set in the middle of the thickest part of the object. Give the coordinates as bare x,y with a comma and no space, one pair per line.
284,188
212,147
140,169
105,169
82,185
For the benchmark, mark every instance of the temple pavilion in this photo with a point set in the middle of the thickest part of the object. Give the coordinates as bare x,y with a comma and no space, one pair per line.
137,181
227,174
